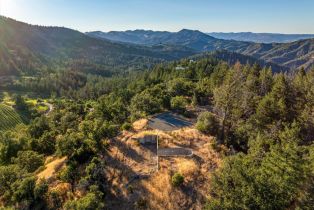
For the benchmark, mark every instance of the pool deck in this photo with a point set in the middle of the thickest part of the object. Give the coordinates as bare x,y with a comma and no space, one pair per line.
168,121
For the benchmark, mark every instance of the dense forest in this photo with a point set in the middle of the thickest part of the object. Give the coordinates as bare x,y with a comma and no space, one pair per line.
262,123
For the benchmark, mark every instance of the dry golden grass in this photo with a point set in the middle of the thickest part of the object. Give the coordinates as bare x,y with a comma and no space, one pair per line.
160,194
51,168
158,189
187,167
191,134
62,190
49,159
151,132
140,124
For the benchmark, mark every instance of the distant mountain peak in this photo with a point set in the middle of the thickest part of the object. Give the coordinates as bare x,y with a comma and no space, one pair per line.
189,31
185,30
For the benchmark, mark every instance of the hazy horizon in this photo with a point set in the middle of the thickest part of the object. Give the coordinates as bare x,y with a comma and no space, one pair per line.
207,16
166,30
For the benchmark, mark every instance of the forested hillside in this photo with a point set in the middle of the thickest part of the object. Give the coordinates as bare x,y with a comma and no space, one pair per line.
291,55
261,124
233,58
33,50
77,85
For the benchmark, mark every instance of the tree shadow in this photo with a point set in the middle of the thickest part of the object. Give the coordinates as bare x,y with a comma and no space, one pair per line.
128,151
150,147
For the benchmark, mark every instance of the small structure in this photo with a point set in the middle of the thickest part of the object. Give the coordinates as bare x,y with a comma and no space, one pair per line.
147,139
180,68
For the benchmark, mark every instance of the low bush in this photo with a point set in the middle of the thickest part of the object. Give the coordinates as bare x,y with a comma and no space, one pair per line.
177,180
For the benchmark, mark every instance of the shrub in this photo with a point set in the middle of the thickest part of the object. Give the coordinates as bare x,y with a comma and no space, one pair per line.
207,123
177,180
178,103
126,126
20,103
29,160
40,190
144,104
68,174
92,200
180,86
23,190
141,203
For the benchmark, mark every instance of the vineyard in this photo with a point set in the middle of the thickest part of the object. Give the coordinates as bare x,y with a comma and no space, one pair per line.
9,118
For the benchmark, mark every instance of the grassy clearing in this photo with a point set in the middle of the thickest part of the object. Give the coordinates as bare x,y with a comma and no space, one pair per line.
42,108
9,118
31,102
52,168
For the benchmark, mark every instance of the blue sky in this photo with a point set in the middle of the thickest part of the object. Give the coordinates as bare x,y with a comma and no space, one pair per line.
283,16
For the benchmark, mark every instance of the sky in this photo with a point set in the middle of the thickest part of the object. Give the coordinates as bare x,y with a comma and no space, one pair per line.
277,16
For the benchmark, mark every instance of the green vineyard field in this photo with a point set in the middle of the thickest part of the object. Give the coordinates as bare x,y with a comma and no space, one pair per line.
9,118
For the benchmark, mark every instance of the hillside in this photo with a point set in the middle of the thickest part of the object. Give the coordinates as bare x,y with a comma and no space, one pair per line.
232,58
206,135
294,55
261,37
28,50
291,55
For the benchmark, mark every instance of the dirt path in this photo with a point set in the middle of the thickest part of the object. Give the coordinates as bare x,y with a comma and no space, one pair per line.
50,107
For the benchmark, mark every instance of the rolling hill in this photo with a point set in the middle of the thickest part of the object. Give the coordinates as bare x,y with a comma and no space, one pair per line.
293,55
290,55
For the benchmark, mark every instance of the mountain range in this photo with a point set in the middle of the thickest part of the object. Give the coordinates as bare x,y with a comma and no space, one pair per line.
33,50
261,37
291,55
